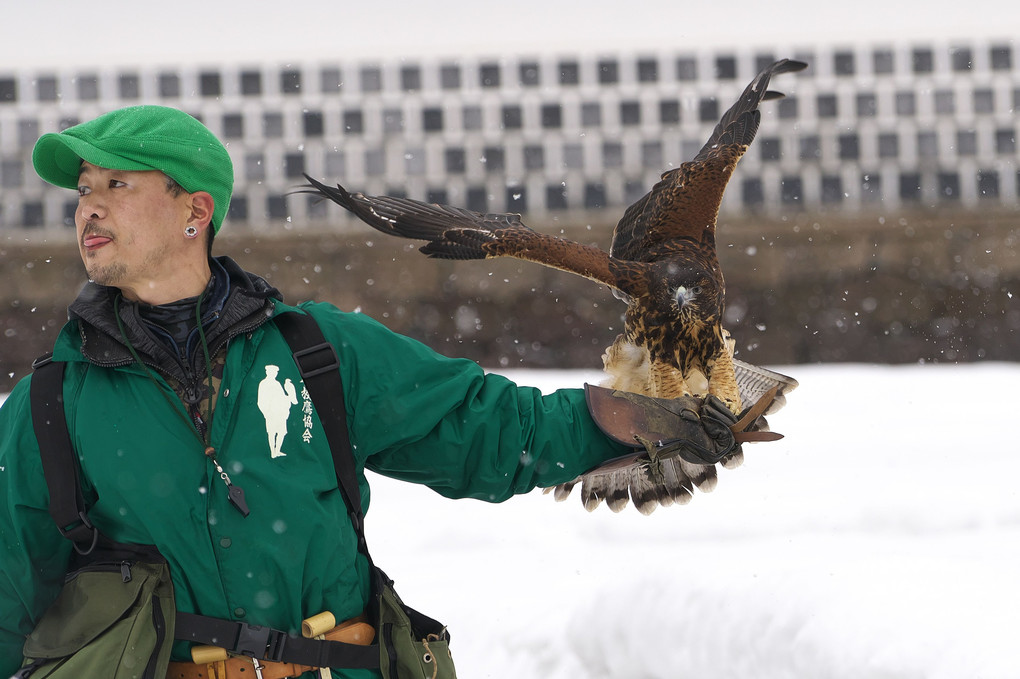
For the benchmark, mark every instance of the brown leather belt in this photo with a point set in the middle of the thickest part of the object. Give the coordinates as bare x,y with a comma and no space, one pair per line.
235,668
353,631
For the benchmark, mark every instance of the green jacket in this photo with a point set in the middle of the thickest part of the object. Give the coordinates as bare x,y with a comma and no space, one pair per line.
412,414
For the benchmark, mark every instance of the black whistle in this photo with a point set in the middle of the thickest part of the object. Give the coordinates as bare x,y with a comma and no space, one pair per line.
236,496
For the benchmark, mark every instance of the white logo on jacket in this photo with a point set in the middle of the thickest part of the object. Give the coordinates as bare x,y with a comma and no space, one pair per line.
275,402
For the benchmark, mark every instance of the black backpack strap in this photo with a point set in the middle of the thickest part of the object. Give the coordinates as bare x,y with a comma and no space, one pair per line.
59,461
319,366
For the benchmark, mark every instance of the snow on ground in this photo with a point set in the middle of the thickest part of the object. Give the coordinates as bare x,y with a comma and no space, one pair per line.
879,539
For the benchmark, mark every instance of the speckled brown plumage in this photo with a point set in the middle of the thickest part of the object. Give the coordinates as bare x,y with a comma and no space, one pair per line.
662,262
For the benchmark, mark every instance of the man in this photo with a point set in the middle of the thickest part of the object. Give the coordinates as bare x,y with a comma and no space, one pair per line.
168,353
275,402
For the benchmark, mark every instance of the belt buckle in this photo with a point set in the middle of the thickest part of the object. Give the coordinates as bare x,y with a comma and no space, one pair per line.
260,642
258,668
252,640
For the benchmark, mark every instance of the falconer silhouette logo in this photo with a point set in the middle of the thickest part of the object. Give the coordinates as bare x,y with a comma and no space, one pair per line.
275,402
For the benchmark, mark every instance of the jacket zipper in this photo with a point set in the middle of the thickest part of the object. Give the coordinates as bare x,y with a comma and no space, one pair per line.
235,494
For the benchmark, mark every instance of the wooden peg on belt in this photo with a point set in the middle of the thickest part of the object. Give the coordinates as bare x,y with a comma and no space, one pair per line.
207,655
316,627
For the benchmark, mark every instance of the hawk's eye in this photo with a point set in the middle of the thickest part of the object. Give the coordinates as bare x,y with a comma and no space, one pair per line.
697,289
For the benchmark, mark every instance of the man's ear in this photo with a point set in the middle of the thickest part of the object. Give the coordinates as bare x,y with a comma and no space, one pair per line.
202,205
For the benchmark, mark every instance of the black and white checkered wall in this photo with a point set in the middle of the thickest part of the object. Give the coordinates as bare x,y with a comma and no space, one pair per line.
865,128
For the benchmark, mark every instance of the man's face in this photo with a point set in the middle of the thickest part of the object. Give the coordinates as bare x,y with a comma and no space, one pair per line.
129,227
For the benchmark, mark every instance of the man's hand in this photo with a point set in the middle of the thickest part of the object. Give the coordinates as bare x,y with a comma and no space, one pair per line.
700,430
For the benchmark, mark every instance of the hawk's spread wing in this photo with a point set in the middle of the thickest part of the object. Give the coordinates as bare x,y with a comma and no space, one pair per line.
418,220
458,233
685,203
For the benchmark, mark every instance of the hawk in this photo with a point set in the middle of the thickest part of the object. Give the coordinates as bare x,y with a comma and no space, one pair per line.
662,263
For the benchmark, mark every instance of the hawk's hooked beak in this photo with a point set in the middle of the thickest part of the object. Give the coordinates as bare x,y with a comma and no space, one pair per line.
684,296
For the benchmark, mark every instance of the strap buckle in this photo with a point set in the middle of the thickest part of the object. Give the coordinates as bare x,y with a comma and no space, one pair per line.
42,360
316,360
257,642
76,532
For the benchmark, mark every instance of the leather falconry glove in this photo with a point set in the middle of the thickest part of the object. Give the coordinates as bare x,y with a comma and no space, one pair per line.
700,430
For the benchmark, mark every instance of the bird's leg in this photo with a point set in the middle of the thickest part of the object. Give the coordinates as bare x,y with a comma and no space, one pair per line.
722,381
626,365
723,384
667,381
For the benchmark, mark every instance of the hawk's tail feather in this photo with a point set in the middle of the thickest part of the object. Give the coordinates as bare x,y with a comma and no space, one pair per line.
682,492
617,499
704,477
754,381
611,487
665,485
733,460
562,491
670,481
646,490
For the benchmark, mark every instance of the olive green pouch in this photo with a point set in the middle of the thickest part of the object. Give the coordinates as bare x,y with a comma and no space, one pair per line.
412,645
111,620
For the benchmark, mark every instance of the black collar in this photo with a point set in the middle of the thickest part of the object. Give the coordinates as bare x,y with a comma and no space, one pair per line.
246,304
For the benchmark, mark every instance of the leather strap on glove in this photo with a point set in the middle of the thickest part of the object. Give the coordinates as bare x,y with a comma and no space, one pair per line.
699,430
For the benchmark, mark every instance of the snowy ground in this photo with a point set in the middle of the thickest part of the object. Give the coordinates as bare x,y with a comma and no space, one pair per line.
880,539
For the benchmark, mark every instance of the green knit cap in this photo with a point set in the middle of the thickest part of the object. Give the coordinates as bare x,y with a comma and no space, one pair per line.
142,138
